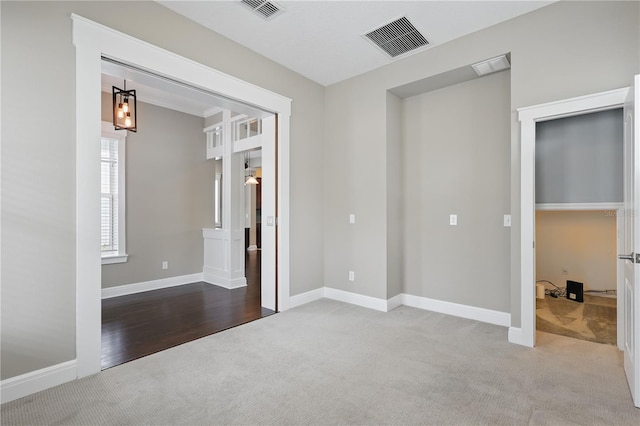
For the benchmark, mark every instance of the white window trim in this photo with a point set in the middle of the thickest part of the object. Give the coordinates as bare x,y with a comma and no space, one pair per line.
121,135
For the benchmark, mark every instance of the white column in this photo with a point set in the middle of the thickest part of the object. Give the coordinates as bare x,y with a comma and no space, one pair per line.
224,247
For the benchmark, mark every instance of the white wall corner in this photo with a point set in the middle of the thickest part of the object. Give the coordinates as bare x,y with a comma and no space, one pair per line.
36,381
394,302
212,276
458,310
123,290
304,298
356,299
516,336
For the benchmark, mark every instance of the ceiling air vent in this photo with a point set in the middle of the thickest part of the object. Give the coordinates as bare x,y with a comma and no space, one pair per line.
397,38
265,9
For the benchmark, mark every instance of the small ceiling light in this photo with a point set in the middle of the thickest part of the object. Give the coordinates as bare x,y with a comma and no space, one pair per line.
124,109
492,65
250,180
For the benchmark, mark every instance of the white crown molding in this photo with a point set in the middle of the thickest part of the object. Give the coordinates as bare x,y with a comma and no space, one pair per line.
212,111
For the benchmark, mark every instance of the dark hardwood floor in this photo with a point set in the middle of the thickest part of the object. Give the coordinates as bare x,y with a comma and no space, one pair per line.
140,324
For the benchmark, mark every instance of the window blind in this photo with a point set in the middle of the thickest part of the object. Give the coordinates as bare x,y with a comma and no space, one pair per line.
109,195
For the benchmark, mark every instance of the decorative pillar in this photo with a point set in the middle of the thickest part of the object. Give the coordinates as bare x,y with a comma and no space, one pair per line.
224,245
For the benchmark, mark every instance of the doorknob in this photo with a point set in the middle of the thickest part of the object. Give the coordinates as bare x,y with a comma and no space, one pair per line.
633,257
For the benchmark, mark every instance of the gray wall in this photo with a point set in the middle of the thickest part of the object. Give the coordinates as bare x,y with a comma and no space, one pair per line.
579,159
458,169
395,197
169,196
560,51
38,161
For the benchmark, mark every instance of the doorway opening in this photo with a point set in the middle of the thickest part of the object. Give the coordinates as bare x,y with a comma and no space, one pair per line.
529,118
579,195
576,274
175,189
93,42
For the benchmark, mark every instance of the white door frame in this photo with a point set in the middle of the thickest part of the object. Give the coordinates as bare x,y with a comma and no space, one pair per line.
528,117
92,40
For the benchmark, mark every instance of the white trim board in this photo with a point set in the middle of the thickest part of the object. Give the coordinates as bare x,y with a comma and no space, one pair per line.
36,381
455,309
578,206
123,290
308,297
515,336
356,299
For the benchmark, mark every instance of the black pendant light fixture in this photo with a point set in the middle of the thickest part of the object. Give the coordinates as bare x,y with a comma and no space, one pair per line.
125,109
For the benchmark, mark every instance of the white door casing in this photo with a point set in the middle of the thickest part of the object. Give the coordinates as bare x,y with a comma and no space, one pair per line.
268,228
92,41
631,295
528,116
266,141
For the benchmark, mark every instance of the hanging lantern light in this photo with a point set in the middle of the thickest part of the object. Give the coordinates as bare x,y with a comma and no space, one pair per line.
249,180
124,109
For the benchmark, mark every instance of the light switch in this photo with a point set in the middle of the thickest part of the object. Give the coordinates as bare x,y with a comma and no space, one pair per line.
352,218
270,220
507,220
453,219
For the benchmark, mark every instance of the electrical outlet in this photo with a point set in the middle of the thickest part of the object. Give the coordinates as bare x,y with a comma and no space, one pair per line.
165,264
453,219
565,270
352,276
352,218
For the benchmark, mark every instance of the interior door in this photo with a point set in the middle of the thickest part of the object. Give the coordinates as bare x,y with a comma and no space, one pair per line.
631,296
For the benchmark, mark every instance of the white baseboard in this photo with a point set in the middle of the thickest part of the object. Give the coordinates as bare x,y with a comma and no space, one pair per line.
455,309
356,299
449,308
394,302
516,336
36,381
308,297
211,276
123,290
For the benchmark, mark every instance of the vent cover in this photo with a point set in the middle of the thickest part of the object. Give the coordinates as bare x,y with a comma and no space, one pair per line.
264,8
397,38
488,66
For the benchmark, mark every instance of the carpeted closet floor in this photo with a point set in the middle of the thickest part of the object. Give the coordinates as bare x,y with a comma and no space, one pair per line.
594,320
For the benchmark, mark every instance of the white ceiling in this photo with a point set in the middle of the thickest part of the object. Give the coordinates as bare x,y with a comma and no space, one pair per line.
322,40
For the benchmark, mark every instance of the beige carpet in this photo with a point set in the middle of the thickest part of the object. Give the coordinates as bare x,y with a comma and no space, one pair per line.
332,363
594,320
